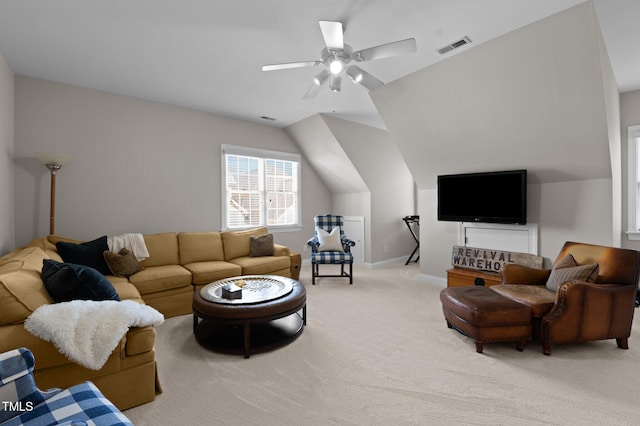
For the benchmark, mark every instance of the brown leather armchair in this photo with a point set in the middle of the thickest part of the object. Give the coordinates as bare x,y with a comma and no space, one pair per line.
579,311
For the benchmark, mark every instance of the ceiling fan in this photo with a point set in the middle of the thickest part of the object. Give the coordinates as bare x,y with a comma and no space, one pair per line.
337,55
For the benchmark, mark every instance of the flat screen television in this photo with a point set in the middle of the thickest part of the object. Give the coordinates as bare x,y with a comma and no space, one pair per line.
491,197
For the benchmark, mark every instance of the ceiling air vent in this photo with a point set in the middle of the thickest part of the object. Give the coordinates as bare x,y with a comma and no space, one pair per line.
264,117
458,43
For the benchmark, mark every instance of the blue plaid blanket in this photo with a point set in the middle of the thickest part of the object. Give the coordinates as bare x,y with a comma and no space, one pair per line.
81,404
22,403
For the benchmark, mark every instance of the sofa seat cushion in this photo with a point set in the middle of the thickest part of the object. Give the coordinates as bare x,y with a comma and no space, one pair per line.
263,265
207,272
125,289
538,297
160,278
21,289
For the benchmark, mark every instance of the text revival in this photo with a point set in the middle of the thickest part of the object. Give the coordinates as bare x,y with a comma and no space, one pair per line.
491,260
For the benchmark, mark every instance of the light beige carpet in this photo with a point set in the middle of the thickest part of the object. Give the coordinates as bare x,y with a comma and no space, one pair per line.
379,353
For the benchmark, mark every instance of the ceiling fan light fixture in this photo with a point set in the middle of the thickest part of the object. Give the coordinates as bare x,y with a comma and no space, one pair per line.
335,83
336,66
321,78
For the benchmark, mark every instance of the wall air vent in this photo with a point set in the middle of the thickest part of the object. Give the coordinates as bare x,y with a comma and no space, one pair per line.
458,43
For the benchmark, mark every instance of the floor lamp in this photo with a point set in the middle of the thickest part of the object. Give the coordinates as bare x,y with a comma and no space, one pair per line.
53,162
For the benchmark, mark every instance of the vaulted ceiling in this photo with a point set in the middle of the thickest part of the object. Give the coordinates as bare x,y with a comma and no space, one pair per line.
207,54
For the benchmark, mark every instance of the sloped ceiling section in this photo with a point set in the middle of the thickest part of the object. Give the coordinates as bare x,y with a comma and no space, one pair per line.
530,99
326,155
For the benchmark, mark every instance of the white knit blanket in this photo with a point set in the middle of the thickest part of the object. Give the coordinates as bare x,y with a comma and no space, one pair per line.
133,242
87,331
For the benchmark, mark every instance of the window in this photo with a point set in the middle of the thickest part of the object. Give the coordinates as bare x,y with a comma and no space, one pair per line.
259,188
634,183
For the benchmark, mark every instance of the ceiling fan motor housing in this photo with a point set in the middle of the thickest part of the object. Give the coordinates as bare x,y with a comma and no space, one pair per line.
344,55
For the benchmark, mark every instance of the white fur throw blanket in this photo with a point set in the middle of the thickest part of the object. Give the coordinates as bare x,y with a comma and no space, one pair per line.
87,331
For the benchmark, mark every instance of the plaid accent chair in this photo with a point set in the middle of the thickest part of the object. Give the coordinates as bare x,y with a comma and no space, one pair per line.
330,254
22,403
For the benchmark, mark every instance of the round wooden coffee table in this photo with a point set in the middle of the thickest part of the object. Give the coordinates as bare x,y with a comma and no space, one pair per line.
264,318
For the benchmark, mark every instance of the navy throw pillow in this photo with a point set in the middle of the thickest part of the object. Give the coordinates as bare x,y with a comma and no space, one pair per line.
87,254
66,281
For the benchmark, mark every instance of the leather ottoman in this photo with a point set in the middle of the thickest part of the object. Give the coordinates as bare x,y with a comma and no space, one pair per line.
486,316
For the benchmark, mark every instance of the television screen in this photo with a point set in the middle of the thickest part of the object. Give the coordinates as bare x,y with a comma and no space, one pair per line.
492,197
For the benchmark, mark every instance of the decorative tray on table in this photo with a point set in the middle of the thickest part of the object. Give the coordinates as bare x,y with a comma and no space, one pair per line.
247,289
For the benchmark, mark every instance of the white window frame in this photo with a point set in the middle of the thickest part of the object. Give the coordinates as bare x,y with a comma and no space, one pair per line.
261,154
633,183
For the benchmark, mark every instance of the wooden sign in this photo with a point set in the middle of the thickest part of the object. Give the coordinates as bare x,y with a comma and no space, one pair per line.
491,260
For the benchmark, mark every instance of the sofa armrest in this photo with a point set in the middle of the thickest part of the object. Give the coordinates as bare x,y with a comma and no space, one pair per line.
519,274
280,250
574,295
590,311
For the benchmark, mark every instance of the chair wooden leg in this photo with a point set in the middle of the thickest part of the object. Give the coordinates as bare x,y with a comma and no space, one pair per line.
351,273
546,348
479,346
314,268
623,343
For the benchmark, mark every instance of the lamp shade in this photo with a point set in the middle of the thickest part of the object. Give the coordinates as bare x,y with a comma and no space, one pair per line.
52,158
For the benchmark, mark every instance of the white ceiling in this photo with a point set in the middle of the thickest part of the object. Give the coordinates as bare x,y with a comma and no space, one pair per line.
207,54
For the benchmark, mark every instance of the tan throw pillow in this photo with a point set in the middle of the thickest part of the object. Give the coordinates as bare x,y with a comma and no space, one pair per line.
123,263
329,241
568,269
261,246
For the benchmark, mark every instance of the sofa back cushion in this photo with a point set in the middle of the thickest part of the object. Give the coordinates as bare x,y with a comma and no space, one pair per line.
200,247
21,288
163,250
45,244
237,243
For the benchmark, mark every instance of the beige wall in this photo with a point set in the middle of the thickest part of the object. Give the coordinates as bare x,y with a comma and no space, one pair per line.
367,177
564,211
539,98
378,160
629,116
137,166
7,234
612,108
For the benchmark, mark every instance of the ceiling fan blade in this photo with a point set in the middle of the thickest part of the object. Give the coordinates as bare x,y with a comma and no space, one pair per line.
386,50
332,34
315,87
274,67
363,78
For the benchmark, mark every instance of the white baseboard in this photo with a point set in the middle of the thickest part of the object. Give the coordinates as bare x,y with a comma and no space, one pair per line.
369,265
384,263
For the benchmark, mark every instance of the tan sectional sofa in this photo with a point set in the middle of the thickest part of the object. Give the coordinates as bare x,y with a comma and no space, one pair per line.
178,264
129,376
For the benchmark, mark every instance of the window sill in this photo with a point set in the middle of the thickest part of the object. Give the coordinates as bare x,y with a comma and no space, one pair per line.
633,235
272,229
291,228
